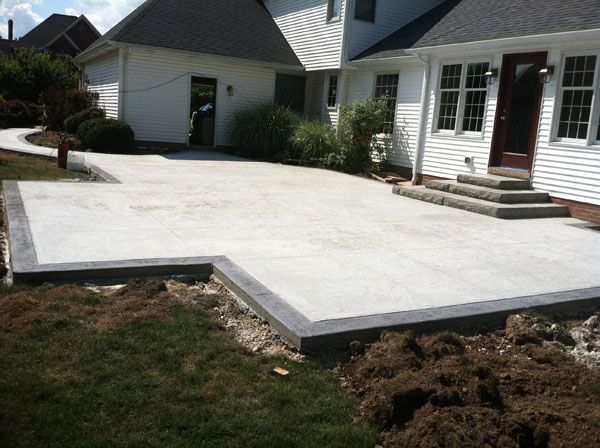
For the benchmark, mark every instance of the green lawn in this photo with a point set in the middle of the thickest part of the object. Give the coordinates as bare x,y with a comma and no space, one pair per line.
17,167
83,369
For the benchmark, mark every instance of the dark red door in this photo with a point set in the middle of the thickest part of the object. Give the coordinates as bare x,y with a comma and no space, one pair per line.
517,117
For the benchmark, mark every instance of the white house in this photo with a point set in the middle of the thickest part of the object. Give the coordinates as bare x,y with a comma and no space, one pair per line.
502,86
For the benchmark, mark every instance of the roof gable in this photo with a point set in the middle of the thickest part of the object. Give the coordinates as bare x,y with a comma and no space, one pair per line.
235,28
46,31
463,21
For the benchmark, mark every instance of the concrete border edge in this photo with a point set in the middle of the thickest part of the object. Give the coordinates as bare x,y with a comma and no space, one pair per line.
289,322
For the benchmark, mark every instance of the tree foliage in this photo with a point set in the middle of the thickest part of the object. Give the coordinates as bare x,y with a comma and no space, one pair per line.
29,73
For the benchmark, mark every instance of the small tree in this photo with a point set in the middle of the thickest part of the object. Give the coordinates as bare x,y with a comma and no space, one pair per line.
29,73
61,104
360,122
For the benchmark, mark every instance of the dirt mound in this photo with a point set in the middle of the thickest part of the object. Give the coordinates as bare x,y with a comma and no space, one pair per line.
142,289
446,390
19,312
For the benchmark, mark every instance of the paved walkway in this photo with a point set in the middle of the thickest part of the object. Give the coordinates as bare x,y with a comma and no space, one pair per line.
332,245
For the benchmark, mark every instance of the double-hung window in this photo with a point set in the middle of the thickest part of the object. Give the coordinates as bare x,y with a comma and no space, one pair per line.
332,91
386,90
333,10
462,97
578,120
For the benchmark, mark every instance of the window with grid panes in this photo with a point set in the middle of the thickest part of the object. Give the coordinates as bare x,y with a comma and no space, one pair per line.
332,91
577,95
449,96
386,89
475,97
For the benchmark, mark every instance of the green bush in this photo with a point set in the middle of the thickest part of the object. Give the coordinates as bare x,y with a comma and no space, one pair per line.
60,104
106,135
315,140
72,123
29,72
19,114
359,124
264,130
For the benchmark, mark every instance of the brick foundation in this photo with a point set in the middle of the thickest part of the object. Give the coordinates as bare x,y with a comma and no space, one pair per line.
581,210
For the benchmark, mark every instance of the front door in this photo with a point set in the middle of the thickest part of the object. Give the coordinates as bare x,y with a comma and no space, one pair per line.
519,103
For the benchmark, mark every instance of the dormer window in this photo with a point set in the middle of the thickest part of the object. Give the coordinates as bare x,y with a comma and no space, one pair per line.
365,10
333,10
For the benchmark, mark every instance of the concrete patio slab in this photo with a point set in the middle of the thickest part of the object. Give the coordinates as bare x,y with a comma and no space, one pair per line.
324,255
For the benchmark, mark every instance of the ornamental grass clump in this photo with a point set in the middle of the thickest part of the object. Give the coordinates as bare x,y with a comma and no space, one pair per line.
264,130
315,140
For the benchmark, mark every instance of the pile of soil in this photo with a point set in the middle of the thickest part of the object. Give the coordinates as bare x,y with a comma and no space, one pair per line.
519,387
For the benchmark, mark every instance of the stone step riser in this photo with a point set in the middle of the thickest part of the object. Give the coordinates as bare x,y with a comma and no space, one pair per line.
497,182
482,207
492,195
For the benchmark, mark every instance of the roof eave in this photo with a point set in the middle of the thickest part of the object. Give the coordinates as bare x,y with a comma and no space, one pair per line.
94,52
384,61
276,65
564,37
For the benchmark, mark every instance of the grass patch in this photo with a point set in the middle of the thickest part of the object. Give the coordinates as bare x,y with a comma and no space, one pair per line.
163,373
18,167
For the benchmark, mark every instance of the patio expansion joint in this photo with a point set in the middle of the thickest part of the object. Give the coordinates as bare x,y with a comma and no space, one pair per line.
293,326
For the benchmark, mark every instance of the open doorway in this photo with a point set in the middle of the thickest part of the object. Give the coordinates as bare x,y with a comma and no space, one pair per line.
203,105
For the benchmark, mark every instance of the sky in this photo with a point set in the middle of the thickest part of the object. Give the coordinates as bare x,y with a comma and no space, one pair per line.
28,13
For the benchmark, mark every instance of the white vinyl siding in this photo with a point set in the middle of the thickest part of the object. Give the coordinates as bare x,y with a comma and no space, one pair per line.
316,97
103,77
402,143
444,154
565,170
316,42
162,114
390,15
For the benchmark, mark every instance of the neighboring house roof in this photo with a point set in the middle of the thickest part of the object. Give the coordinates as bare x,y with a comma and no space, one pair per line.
235,28
46,31
463,21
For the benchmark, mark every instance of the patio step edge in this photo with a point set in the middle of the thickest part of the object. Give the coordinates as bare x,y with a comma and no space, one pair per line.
493,209
489,194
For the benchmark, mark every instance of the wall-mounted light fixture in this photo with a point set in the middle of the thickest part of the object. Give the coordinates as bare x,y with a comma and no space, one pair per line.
230,90
546,74
491,76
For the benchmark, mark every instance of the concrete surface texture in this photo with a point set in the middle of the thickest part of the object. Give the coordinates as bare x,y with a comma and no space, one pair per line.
331,245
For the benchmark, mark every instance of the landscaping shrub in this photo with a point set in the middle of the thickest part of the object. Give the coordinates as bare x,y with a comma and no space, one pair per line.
264,130
19,114
60,104
28,73
105,135
72,123
315,140
359,124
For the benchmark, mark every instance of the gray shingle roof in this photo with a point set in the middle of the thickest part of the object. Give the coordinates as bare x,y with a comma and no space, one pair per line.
461,21
236,28
47,30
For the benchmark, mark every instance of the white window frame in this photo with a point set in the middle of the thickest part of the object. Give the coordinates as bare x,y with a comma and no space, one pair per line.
337,89
462,98
388,73
591,138
330,17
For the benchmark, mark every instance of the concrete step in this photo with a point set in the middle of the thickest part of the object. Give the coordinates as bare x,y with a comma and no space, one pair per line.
489,194
494,209
492,181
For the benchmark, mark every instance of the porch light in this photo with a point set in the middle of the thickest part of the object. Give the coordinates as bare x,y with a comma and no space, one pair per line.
546,74
491,76
230,90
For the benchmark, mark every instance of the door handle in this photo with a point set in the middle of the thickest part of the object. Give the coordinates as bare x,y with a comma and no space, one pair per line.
502,117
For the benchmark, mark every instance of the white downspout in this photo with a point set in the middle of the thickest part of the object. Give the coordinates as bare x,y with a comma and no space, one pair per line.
420,147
